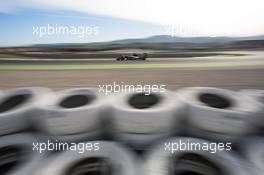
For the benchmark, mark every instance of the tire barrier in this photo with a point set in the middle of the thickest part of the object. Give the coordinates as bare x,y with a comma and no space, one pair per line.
140,119
258,95
110,159
16,106
72,114
252,149
16,155
198,162
218,113
83,115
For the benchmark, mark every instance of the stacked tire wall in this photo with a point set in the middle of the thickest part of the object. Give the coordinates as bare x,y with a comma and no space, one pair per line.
131,129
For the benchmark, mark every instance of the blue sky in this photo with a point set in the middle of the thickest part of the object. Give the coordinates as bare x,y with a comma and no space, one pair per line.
119,19
17,28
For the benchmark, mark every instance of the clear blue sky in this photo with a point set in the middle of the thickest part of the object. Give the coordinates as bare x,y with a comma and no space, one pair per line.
17,28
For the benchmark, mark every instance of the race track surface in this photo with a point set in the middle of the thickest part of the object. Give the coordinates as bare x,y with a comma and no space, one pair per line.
218,71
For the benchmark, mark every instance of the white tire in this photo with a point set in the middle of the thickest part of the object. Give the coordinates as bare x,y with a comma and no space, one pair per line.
1,94
72,114
213,136
253,150
219,111
161,161
258,95
111,158
16,155
140,119
17,106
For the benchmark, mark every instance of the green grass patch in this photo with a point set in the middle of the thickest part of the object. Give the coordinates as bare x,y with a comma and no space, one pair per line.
228,64
99,56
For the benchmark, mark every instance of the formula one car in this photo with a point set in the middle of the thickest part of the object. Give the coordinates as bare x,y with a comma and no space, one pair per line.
133,56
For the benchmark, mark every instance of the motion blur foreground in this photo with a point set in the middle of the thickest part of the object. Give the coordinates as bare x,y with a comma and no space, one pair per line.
132,130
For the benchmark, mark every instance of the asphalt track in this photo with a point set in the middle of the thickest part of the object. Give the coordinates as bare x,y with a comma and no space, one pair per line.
245,72
173,79
210,59
250,59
